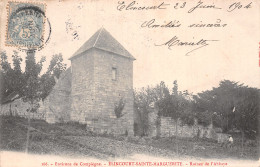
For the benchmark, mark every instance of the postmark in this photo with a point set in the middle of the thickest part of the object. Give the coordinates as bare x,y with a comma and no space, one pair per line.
26,25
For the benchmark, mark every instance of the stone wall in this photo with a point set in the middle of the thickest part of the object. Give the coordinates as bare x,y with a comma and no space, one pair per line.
20,108
94,92
82,86
168,129
57,105
108,91
153,124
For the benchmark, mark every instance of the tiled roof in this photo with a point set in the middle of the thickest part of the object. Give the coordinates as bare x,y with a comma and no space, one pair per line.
103,40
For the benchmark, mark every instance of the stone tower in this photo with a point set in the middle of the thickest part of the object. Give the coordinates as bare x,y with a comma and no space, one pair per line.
102,74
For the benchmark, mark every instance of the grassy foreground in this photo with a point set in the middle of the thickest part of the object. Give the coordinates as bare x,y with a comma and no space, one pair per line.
72,139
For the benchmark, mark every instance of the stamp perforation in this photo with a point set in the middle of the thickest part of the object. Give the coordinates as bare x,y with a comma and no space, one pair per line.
8,21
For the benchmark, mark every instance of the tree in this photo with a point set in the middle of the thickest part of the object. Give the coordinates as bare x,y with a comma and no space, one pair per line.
13,77
214,106
228,100
176,105
29,85
18,78
245,112
230,106
54,70
31,89
6,71
119,108
56,66
144,100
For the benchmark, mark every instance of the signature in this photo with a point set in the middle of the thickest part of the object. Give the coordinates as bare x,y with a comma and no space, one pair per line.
175,41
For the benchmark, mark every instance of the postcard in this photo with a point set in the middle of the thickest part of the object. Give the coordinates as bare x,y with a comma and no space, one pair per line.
139,83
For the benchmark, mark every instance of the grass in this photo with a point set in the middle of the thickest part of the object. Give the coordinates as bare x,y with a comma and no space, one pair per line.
73,139
205,148
45,140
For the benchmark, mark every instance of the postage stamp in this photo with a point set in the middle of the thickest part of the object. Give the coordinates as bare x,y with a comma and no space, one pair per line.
25,25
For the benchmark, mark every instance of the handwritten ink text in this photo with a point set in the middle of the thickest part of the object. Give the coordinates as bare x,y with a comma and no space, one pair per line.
175,41
135,6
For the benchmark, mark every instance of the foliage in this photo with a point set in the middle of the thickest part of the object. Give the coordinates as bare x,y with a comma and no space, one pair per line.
31,90
28,84
119,108
56,66
144,100
53,72
14,79
230,106
176,105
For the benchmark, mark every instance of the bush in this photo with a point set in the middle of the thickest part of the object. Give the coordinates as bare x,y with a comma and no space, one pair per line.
36,136
119,108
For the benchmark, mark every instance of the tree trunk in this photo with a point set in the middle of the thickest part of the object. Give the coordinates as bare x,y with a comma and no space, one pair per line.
10,110
176,127
176,138
158,126
28,130
28,134
243,136
227,123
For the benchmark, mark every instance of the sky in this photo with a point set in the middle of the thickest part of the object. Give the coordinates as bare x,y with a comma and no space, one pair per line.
232,52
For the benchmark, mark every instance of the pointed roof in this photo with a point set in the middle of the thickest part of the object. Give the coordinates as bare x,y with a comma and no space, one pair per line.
103,40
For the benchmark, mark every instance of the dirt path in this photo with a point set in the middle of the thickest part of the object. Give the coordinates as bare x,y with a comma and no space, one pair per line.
118,148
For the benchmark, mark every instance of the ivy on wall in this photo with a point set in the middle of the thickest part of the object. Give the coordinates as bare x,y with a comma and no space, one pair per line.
119,107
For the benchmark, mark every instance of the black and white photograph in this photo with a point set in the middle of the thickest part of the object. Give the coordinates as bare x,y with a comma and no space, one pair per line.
134,83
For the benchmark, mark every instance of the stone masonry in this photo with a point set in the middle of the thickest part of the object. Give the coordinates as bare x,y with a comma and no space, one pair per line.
166,127
57,105
102,74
